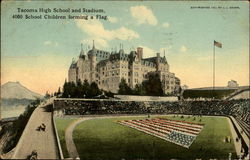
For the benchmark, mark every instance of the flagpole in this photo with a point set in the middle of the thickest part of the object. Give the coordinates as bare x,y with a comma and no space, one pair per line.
213,70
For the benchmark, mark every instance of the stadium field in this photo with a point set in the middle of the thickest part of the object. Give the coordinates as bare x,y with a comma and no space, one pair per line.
106,139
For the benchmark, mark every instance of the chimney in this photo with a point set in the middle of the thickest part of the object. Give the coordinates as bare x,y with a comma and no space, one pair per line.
158,55
140,53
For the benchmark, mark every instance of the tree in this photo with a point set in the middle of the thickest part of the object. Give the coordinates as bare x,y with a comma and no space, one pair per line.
65,90
86,88
139,90
72,89
59,91
109,94
69,90
152,85
47,95
79,91
124,89
94,90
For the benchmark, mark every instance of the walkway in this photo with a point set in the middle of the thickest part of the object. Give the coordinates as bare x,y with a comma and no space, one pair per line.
43,142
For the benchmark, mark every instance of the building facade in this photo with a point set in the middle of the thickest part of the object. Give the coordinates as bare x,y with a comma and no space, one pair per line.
108,68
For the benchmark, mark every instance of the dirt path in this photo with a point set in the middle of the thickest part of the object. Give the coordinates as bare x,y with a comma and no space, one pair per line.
69,137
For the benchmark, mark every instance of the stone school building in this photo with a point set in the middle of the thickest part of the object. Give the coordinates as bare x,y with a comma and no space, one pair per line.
108,68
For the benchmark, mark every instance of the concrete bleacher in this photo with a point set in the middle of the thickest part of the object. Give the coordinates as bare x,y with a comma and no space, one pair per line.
242,92
244,126
237,108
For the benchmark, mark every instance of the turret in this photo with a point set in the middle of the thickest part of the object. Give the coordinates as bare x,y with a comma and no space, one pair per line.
82,54
157,61
93,44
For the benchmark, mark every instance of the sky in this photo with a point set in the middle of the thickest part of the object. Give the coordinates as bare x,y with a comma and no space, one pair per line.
38,52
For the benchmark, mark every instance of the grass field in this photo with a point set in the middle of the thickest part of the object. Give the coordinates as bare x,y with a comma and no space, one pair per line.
106,139
62,124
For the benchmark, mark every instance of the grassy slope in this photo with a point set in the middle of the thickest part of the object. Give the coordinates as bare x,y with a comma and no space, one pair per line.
62,124
105,139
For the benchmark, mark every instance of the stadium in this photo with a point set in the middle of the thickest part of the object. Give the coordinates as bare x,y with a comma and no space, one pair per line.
154,129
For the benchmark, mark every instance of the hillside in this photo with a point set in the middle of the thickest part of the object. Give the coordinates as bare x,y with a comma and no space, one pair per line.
15,90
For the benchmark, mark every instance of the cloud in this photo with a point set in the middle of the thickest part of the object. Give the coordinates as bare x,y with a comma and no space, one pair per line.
183,49
98,42
50,43
143,15
148,52
95,30
113,19
166,49
165,25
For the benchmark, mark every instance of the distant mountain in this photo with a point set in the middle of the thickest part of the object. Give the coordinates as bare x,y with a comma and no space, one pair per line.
15,90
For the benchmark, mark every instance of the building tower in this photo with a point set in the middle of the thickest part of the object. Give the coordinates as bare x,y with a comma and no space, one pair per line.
157,61
92,58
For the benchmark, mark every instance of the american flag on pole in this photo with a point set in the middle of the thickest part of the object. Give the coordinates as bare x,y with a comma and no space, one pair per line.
217,44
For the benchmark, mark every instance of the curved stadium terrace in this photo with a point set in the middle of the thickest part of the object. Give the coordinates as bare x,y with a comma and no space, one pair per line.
239,109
